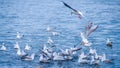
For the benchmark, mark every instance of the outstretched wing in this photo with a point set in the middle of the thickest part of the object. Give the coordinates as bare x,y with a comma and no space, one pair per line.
92,29
89,26
69,6
87,29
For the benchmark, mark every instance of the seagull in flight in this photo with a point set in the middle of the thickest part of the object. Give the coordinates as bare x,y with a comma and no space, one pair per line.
76,12
90,28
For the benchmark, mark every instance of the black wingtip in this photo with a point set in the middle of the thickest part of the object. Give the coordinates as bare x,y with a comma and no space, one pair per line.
63,2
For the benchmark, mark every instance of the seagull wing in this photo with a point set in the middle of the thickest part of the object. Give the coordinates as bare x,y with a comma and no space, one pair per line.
87,29
89,26
69,6
76,49
92,29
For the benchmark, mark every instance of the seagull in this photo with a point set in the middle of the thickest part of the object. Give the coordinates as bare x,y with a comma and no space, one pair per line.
67,53
103,59
68,57
91,51
93,61
55,33
42,59
27,47
19,36
29,58
89,29
50,41
76,12
58,57
96,55
85,42
109,43
82,55
16,46
48,53
3,48
21,53
82,61
64,52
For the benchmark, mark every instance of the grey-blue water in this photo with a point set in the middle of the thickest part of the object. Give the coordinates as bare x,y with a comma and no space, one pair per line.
32,17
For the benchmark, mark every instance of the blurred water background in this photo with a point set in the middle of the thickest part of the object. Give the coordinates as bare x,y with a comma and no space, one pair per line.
32,17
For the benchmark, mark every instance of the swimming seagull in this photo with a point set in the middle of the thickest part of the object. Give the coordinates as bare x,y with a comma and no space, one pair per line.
50,41
48,53
55,33
19,36
82,61
42,59
27,47
3,48
109,43
103,59
16,46
96,55
82,55
58,57
93,61
29,58
76,12
21,53
91,51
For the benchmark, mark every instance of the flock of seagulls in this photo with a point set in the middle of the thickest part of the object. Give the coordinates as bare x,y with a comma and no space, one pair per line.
47,52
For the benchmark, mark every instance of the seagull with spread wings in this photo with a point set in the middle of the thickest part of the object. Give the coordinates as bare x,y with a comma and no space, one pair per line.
88,30
76,12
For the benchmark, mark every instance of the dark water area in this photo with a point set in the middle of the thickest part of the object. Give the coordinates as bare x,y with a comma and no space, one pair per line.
32,17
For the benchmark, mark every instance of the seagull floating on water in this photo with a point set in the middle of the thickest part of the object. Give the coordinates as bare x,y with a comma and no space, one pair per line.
92,51
50,41
19,36
3,48
21,53
58,57
109,43
42,59
82,61
82,55
103,59
76,12
55,33
93,61
27,47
